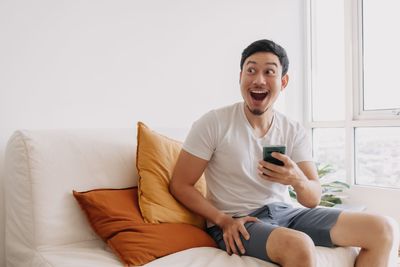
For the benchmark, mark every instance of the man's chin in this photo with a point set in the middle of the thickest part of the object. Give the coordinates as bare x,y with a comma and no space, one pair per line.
257,112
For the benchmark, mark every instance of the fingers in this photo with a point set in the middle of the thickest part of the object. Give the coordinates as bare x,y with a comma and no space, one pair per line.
239,243
231,236
264,171
227,244
270,166
272,171
267,173
251,219
272,176
243,230
282,157
244,233
231,242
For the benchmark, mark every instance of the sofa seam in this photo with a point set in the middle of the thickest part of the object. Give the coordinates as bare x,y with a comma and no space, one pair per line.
29,165
43,258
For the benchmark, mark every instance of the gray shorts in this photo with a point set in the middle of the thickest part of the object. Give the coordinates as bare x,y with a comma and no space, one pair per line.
316,223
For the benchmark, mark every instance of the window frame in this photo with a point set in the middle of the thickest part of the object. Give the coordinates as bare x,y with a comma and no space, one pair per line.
355,115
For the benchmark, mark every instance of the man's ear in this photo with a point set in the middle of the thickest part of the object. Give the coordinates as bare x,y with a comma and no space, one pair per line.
240,77
284,81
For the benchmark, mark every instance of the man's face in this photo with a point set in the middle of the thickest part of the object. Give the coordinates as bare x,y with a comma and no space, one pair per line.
261,81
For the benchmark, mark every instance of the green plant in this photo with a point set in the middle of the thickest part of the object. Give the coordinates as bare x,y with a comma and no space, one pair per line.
330,189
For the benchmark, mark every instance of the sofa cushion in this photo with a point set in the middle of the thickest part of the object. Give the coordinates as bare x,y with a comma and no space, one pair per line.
91,253
44,166
115,216
155,160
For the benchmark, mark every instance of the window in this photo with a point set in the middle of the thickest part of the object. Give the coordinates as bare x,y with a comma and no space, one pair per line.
378,155
328,148
380,55
354,96
328,61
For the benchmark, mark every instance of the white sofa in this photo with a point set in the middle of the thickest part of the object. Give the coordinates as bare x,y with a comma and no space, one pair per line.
46,227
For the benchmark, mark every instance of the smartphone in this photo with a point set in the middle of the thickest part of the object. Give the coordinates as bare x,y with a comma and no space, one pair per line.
267,150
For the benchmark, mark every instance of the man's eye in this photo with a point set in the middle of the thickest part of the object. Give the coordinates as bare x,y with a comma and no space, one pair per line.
270,72
251,70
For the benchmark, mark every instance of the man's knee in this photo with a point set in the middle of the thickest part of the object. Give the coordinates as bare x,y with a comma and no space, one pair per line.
381,231
384,230
285,246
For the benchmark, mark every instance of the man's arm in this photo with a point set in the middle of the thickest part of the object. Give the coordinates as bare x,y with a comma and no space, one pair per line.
303,176
187,172
309,191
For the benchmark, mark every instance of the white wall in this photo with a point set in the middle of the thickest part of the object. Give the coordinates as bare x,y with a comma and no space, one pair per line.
91,63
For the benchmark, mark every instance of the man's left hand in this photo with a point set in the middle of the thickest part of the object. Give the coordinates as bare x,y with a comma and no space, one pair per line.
288,174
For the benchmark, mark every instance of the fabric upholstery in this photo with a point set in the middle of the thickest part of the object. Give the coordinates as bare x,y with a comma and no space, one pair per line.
155,160
45,226
115,216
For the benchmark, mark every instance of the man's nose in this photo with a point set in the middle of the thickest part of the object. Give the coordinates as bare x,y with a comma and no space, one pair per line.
259,79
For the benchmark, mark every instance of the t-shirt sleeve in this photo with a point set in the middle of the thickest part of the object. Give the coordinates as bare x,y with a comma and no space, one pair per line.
202,137
302,149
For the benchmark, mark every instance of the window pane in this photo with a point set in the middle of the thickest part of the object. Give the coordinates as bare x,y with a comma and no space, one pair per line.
328,83
328,148
378,156
381,54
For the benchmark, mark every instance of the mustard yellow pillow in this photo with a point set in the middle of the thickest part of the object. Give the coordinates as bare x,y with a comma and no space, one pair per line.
155,161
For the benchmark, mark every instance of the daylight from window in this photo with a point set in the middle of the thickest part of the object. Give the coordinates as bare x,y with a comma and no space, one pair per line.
378,156
381,54
340,136
328,61
328,146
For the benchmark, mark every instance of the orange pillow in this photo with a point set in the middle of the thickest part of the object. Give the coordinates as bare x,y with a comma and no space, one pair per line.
147,242
155,161
115,216
110,210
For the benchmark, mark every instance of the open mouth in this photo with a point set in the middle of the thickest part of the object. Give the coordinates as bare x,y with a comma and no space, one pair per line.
258,95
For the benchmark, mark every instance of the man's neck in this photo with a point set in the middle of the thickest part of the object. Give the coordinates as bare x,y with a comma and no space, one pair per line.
260,123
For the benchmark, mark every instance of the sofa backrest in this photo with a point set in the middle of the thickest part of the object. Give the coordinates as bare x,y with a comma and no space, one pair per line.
42,169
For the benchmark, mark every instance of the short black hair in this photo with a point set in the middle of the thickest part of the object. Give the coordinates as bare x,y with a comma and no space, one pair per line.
265,45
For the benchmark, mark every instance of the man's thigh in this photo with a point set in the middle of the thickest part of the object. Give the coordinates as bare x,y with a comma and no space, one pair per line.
359,229
255,246
317,223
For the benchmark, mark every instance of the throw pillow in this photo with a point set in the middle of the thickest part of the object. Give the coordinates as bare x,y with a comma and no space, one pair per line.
155,160
147,242
110,210
114,215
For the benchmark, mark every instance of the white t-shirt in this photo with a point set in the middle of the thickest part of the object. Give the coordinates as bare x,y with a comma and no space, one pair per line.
225,138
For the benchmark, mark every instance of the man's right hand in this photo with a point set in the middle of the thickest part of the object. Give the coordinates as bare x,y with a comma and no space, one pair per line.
232,229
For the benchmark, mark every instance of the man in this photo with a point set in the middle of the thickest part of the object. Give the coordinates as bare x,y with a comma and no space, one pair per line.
247,206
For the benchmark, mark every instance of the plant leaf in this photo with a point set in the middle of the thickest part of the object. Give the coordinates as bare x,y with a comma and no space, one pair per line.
332,199
340,184
326,203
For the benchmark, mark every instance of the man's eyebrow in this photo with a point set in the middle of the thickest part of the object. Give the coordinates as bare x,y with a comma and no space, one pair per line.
267,63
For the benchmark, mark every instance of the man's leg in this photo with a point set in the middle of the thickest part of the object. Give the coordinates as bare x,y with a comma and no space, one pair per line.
271,243
289,247
373,233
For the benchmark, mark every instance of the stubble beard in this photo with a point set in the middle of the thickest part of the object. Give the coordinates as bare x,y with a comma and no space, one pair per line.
257,112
